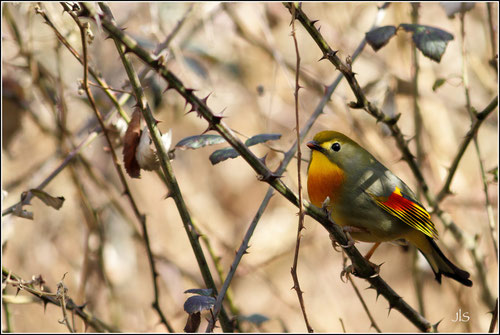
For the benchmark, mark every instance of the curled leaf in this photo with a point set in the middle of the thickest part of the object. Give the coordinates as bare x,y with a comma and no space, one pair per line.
199,141
198,303
201,291
438,83
145,154
166,139
261,138
54,202
379,37
226,153
430,41
222,154
130,143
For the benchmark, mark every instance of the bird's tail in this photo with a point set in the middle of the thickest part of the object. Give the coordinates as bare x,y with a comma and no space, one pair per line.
439,263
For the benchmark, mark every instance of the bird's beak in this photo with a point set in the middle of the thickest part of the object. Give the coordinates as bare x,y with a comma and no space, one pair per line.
313,145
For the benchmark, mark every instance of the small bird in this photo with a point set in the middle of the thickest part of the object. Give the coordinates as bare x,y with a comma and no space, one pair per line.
371,203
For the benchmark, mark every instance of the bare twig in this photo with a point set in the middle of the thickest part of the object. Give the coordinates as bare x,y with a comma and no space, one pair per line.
174,189
61,296
362,267
362,102
493,35
417,120
91,70
47,297
363,303
289,155
476,123
468,106
141,217
300,227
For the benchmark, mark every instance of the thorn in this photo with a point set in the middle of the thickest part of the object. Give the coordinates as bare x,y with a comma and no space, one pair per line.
353,73
167,88
319,28
263,159
185,106
86,325
371,287
210,127
216,119
123,29
17,292
314,22
205,99
190,90
82,306
435,326
394,119
325,56
168,195
355,105
269,178
45,302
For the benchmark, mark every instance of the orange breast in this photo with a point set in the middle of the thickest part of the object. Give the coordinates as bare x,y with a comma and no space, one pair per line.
324,179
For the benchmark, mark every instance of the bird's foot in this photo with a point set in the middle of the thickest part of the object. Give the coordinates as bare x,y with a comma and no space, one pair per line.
351,270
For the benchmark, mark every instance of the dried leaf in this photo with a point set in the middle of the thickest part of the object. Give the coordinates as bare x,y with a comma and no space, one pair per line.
430,41
380,36
198,303
256,319
222,154
145,154
261,138
226,153
193,322
438,83
130,143
55,202
199,141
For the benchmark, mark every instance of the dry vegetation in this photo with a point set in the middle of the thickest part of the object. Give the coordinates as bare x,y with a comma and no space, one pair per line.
96,239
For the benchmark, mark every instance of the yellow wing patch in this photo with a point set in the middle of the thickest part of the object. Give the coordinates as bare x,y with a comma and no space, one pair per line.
407,211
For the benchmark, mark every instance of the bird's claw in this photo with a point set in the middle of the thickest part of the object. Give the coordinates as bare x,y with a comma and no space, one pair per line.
335,243
325,206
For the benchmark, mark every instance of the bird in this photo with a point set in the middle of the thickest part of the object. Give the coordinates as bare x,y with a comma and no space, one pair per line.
370,202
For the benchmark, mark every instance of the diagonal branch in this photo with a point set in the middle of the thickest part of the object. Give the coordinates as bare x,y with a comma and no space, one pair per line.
362,267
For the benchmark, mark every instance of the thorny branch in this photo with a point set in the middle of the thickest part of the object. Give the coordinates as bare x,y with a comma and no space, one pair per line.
8,277
215,123
171,181
362,102
300,227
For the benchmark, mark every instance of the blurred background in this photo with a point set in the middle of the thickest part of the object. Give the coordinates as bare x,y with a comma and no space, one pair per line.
240,53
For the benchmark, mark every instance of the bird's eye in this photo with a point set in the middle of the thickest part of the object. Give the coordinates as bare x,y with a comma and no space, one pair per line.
336,146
